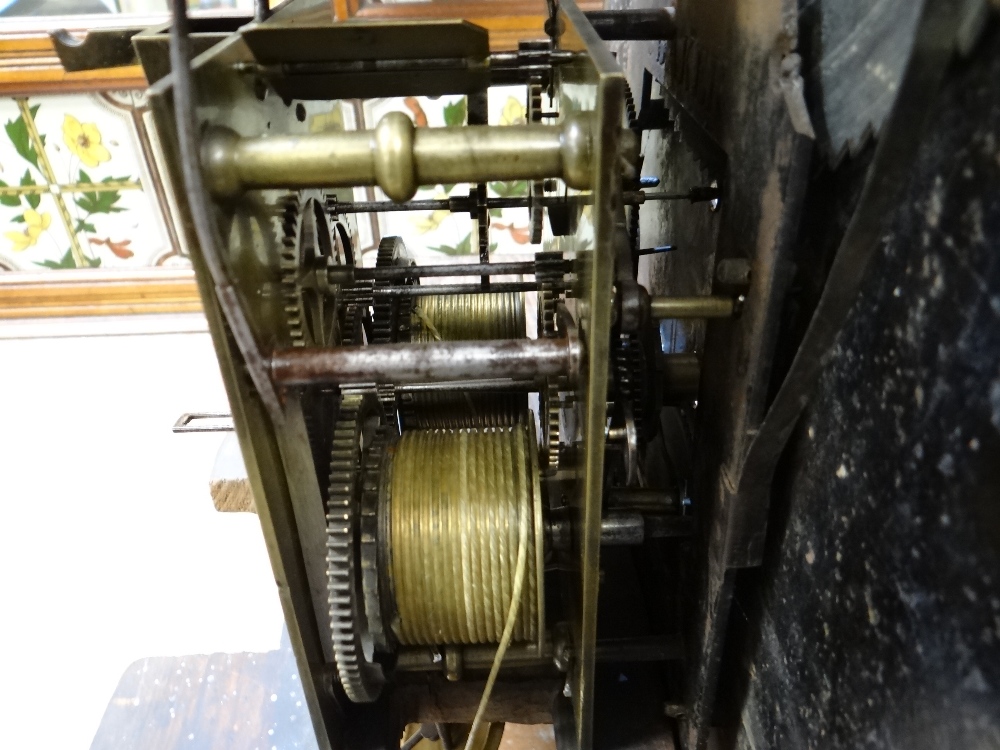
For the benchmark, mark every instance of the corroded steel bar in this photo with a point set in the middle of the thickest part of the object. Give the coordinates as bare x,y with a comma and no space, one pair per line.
428,362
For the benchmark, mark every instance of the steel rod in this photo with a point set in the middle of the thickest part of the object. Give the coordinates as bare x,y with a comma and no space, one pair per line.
434,290
421,659
402,273
622,529
455,204
463,204
641,649
371,207
492,385
643,500
439,361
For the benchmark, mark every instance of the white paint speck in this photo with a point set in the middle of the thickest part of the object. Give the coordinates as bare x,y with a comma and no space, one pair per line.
273,697
975,682
947,465
842,472
995,403
974,445
810,556
812,433
191,736
936,203
873,615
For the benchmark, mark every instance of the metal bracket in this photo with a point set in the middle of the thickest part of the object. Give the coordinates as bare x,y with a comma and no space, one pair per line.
191,422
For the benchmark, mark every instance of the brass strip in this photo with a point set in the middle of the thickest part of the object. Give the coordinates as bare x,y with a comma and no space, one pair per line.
691,307
73,187
90,292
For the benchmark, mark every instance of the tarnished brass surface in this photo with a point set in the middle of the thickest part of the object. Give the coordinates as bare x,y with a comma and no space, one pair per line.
312,58
691,307
469,317
227,97
596,83
465,317
398,157
458,501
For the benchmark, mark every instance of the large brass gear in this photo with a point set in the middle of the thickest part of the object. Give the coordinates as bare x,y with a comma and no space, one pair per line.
360,676
308,243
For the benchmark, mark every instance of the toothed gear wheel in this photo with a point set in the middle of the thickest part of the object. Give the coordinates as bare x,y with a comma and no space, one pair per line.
357,299
552,410
631,117
373,527
538,186
360,676
630,377
391,315
307,243
551,287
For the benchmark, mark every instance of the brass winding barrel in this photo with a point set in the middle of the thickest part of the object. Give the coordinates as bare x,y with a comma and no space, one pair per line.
465,317
456,504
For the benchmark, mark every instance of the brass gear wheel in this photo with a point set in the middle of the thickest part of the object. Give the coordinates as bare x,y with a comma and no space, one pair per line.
308,243
391,315
360,676
551,414
551,287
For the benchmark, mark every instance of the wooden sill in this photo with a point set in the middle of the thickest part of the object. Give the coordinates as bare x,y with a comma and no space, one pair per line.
29,66
73,293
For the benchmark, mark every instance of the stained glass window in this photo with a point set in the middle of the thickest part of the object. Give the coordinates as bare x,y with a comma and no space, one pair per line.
80,184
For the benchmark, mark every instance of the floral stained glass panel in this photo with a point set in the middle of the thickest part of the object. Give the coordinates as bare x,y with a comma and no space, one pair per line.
79,186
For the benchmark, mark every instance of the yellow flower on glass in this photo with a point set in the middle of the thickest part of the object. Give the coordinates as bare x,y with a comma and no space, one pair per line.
84,140
35,223
513,112
431,221
327,121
